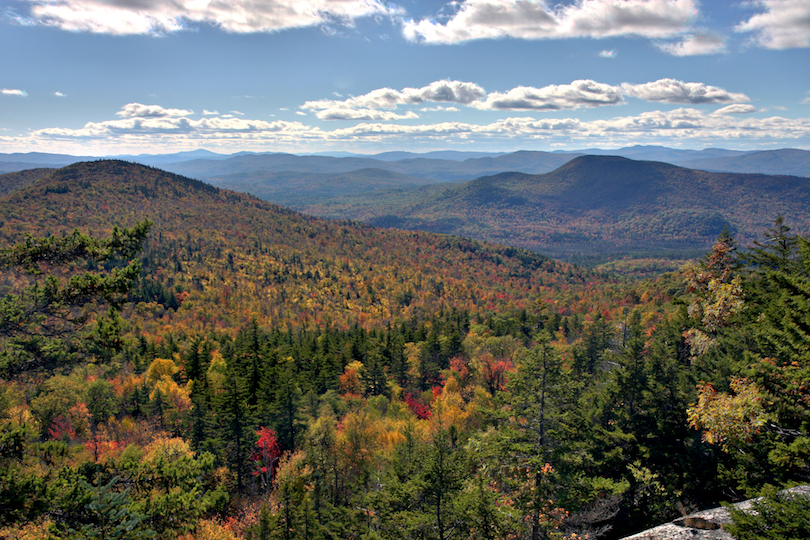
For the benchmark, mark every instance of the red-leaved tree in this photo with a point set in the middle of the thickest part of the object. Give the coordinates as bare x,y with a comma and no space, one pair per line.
265,457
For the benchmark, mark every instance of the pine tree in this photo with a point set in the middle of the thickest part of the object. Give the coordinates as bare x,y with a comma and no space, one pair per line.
38,322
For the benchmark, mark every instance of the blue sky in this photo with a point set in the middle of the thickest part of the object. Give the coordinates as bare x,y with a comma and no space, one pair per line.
104,77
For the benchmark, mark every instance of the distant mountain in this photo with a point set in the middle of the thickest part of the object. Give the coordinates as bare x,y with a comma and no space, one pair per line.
40,158
654,153
453,155
786,161
32,160
592,205
15,166
291,188
440,166
159,159
439,170
660,153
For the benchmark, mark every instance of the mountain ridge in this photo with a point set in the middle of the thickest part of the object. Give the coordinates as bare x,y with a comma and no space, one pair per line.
592,204
439,165
228,249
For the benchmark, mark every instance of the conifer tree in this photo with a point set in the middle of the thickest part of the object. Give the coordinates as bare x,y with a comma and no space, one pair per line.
42,317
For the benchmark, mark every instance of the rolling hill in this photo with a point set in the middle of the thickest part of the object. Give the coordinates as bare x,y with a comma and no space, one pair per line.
290,188
786,161
19,179
601,206
217,259
438,170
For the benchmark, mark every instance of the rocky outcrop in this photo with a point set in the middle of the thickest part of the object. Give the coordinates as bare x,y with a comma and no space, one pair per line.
705,525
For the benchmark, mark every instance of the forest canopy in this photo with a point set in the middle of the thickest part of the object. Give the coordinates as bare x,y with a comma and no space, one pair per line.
503,395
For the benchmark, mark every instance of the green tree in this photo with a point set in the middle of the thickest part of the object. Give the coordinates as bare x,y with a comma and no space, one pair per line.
110,515
777,516
442,475
36,321
534,432
236,423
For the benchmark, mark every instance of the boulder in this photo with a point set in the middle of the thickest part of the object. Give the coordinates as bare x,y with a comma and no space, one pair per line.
705,525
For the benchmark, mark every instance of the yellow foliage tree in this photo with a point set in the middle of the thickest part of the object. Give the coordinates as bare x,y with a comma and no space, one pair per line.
729,419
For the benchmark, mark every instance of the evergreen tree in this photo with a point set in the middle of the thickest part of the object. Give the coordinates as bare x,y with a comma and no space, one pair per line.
38,322
236,423
533,435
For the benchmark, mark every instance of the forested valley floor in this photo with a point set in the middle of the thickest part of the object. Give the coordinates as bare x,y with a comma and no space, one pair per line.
180,361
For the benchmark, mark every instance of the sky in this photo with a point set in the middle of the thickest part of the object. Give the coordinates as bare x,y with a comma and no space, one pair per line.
108,77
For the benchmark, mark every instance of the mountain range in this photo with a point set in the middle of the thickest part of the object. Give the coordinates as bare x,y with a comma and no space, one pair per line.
591,206
442,166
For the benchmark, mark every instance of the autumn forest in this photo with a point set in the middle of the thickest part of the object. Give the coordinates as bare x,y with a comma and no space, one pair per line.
183,361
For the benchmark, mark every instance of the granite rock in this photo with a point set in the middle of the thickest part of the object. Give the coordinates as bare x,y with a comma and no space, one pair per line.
705,525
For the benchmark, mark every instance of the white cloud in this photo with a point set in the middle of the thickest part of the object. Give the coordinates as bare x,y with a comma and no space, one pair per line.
365,115
737,108
532,19
365,107
207,112
388,98
133,135
578,94
300,113
699,43
121,17
674,91
608,54
59,94
439,109
13,92
138,110
783,24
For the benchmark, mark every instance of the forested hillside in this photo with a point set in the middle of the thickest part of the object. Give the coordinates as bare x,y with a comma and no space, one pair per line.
197,363
596,207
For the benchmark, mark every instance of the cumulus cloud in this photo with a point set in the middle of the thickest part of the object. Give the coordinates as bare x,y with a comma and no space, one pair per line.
608,54
696,44
536,19
783,24
121,17
13,92
128,135
365,115
59,94
138,110
674,91
578,94
388,98
737,108
207,112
